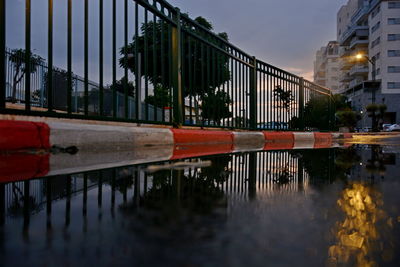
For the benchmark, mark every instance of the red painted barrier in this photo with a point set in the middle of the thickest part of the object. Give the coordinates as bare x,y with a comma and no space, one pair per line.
182,136
278,140
322,140
279,136
18,167
190,151
23,134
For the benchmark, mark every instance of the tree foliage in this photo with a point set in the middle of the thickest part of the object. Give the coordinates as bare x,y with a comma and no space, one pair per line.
17,57
204,68
376,113
161,97
317,113
215,106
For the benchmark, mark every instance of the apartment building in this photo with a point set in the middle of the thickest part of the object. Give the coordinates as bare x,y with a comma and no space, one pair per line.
326,66
370,28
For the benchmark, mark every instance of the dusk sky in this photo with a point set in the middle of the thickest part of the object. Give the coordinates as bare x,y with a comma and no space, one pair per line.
282,33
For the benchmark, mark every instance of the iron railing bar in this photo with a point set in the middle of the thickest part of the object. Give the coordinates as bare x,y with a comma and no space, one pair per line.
50,56
125,79
27,55
216,47
114,57
101,61
146,65
157,12
69,58
86,57
3,55
187,19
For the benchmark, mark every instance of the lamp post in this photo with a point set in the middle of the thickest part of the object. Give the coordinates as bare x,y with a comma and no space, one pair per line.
373,89
373,63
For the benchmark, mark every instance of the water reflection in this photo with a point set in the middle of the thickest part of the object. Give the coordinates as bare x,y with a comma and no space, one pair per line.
365,234
289,207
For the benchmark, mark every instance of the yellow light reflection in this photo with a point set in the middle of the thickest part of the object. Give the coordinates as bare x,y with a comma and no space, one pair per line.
357,236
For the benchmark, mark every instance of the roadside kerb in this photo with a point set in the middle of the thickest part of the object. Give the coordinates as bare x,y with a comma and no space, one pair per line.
16,134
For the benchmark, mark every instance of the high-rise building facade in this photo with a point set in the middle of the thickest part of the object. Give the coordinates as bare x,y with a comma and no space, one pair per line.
371,29
326,66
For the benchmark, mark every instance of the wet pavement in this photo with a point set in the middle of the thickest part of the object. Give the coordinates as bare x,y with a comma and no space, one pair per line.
323,207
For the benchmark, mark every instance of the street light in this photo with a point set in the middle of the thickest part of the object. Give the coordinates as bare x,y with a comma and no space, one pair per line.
373,63
373,89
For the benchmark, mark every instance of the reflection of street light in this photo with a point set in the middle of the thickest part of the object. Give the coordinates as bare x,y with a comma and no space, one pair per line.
373,63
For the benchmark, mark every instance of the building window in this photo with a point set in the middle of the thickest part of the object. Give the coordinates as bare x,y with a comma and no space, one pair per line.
393,21
393,37
393,85
393,53
375,27
378,71
377,56
394,5
376,11
393,69
376,42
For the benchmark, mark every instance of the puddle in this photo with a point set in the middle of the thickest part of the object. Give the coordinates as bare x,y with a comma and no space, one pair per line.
325,207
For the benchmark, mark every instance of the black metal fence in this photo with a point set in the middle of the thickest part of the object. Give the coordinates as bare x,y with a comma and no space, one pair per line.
175,71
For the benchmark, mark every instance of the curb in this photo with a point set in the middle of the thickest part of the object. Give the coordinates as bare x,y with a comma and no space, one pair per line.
17,135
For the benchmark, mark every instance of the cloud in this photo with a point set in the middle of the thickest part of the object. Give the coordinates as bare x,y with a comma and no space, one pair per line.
305,73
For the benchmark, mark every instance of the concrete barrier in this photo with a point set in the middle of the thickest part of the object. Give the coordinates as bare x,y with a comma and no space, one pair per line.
248,141
303,140
106,137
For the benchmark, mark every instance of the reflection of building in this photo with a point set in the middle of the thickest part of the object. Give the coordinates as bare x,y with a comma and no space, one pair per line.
371,28
326,66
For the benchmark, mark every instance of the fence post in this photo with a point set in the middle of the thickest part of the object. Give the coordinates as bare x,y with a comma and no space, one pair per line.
331,112
176,70
2,54
301,104
253,95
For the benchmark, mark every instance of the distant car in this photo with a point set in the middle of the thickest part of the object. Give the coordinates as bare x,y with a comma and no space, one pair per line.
394,128
385,127
273,125
367,129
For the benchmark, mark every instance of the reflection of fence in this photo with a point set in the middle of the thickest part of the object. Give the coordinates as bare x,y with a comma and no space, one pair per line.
174,60
238,177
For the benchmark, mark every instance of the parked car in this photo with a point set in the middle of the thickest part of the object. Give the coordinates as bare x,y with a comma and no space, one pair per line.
275,125
385,127
394,128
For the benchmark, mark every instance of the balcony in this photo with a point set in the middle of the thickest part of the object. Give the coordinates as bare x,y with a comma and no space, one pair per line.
345,77
359,42
355,30
355,82
344,52
358,70
346,64
361,14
